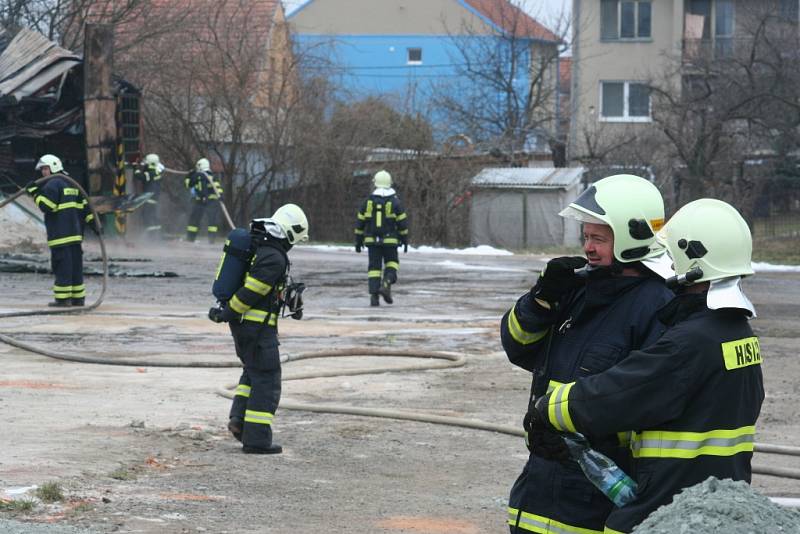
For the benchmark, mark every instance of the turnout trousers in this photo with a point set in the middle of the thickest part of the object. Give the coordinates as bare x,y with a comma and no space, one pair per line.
151,218
383,263
259,391
203,210
67,264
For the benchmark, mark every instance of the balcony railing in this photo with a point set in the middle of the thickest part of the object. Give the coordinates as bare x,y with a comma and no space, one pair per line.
703,50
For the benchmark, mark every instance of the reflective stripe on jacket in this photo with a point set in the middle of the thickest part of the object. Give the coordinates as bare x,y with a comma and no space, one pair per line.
258,299
150,179
66,211
382,220
588,331
198,183
694,397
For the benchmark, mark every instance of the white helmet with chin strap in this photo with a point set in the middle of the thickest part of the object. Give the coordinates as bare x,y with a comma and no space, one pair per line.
49,160
203,165
709,241
152,159
288,222
631,206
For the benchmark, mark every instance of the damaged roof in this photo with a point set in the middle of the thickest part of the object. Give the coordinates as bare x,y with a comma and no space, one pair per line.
31,62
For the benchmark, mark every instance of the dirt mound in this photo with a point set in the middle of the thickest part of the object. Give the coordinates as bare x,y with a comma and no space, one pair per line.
721,506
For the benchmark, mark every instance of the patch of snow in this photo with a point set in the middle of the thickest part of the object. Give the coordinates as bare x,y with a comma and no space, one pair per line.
763,267
457,265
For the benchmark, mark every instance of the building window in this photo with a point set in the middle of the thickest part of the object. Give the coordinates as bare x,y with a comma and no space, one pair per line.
790,10
624,102
717,23
625,19
414,56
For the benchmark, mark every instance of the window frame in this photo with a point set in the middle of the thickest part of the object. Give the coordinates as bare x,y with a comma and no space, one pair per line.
410,61
626,117
636,38
785,15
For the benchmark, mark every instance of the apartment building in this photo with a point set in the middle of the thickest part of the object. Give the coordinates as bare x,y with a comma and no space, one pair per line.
621,47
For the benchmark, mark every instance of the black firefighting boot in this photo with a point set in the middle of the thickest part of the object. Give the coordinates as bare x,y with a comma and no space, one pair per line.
386,291
272,449
81,301
374,300
60,303
235,428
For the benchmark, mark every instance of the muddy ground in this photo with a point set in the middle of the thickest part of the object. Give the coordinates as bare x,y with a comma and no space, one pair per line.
144,449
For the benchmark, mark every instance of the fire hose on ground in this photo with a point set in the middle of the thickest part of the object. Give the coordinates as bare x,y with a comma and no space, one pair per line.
98,229
439,360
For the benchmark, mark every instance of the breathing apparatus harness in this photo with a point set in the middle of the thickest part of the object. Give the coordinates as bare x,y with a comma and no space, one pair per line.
237,255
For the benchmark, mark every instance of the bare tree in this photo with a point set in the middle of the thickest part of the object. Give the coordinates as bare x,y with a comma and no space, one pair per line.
736,108
63,21
223,87
505,94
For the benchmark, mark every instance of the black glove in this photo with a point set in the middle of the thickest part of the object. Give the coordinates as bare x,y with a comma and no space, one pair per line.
359,243
230,316
215,314
558,278
542,439
32,188
404,242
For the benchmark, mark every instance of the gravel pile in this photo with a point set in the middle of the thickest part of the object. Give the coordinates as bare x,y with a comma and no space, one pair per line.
721,506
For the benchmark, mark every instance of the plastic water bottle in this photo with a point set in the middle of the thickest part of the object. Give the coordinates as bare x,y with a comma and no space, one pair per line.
601,471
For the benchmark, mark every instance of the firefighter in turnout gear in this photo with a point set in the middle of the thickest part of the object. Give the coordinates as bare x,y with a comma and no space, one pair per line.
382,225
691,399
580,320
66,214
149,175
252,314
206,193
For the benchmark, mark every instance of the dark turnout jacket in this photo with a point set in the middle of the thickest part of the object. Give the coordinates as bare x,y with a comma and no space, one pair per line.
66,211
590,330
257,301
198,184
692,399
382,220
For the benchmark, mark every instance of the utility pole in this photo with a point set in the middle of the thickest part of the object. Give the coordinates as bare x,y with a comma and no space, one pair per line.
99,108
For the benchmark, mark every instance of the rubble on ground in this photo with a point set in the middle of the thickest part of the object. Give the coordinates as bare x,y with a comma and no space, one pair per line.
721,506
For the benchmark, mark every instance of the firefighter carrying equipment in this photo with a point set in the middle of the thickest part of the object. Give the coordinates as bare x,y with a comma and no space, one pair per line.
253,312
693,398
205,190
149,175
631,206
589,329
